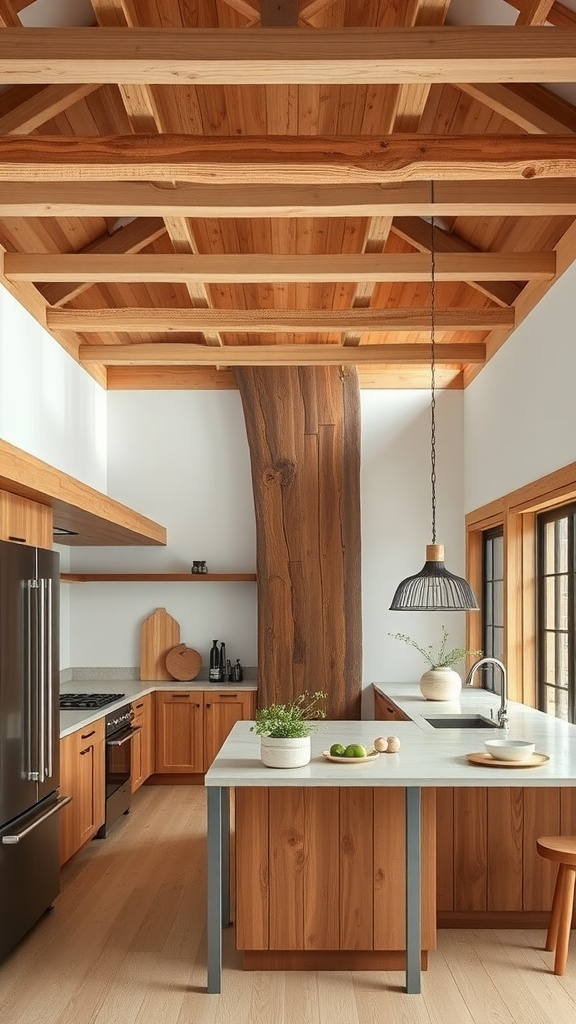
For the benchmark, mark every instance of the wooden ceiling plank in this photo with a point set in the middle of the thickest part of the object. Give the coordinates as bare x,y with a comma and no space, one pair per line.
265,268
41,107
535,12
130,238
278,13
416,232
286,160
552,197
363,55
532,107
278,355
270,321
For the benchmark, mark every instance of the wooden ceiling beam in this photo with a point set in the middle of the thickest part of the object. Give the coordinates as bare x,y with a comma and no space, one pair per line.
559,14
532,107
417,232
552,197
535,12
8,16
286,160
353,56
178,354
266,268
271,321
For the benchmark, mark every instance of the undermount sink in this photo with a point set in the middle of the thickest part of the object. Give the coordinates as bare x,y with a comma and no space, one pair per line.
460,722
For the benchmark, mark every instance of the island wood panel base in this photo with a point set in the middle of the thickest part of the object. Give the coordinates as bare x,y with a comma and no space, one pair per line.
322,870
328,960
489,873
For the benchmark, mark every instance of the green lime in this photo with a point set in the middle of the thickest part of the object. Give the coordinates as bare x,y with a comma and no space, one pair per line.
355,750
338,750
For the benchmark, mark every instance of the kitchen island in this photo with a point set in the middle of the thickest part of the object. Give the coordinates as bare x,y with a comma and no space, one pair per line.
429,761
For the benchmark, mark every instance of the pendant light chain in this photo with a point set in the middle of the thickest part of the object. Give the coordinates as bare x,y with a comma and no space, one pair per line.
433,368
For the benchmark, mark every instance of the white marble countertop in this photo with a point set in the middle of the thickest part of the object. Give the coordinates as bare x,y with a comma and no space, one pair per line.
131,689
428,756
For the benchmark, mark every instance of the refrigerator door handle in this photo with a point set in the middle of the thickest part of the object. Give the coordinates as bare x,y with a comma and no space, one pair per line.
31,691
47,659
11,840
41,673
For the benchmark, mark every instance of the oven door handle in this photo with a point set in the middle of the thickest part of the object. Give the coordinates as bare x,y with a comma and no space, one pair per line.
125,739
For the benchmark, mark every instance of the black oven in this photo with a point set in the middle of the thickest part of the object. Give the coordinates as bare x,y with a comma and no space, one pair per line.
118,775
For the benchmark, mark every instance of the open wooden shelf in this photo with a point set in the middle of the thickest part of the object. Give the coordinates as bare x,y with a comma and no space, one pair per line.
155,577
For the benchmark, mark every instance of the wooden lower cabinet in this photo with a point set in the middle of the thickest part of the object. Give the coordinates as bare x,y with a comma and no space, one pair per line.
320,873
191,726
25,521
143,746
385,710
82,768
488,869
222,710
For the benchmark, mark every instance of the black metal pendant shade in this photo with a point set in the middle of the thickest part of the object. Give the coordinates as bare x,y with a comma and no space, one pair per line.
434,588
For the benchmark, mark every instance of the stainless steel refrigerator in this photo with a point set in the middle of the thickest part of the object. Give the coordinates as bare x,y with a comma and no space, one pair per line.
29,738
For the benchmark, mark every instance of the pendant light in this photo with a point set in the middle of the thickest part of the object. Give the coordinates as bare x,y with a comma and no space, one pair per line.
434,588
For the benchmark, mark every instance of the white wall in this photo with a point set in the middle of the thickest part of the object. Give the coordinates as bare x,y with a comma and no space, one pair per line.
49,406
396,521
52,409
519,413
181,458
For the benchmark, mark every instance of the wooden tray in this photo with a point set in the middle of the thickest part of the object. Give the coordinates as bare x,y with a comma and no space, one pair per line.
534,761
183,663
371,756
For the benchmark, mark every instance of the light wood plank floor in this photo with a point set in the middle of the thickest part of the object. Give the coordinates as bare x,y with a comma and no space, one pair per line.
126,945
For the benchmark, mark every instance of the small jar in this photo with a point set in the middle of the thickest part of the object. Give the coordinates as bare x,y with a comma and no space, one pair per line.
202,567
195,567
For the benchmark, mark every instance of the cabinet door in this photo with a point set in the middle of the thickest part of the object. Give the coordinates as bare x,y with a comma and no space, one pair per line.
25,521
143,742
82,777
179,731
221,711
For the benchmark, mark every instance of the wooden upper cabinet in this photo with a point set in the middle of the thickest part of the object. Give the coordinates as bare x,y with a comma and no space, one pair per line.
179,731
221,711
24,521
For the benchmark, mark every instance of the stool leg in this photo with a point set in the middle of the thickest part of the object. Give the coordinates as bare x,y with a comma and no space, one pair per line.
557,902
565,921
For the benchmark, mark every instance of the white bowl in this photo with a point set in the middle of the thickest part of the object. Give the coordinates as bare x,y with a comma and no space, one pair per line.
510,750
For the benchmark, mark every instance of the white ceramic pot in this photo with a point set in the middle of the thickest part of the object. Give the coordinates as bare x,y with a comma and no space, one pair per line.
285,753
440,684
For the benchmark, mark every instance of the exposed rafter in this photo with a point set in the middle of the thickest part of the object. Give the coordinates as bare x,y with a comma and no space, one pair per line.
219,57
178,354
265,268
532,107
298,160
21,113
272,321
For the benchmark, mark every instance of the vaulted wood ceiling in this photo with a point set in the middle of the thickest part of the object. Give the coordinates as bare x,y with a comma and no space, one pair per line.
190,187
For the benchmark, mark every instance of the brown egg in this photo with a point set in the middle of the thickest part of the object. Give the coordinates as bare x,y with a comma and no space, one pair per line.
381,744
393,744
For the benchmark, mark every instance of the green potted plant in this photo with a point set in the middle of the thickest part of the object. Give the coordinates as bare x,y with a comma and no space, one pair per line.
440,681
284,730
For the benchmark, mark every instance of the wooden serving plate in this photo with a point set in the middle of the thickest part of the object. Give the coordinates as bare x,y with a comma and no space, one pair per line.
183,663
534,761
370,756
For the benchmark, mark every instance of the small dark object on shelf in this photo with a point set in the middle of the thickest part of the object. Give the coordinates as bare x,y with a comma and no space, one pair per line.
214,672
199,567
236,673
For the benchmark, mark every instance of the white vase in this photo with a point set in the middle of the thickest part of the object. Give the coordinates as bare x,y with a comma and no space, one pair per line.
285,753
440,684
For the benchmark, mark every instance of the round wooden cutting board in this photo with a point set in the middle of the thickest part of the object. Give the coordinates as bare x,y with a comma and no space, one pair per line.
183,663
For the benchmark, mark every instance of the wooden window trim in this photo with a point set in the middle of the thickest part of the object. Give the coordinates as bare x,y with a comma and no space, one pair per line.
516,513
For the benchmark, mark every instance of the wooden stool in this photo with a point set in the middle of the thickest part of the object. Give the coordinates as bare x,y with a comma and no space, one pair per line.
561,849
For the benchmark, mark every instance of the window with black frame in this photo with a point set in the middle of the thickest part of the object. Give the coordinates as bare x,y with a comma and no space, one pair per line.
492,602
556,612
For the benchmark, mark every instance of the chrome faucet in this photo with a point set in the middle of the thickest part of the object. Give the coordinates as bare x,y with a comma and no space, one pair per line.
503,709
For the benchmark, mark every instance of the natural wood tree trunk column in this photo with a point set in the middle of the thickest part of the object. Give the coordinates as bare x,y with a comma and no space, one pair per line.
303,426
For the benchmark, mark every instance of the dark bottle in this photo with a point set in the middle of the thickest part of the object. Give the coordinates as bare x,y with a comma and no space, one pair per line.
222,673
214,672
237,674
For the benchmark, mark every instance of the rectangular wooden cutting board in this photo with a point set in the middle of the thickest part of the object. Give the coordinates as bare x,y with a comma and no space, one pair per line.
158,634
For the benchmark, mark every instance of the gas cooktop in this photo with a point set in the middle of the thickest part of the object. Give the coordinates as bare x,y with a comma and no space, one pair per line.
78,701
